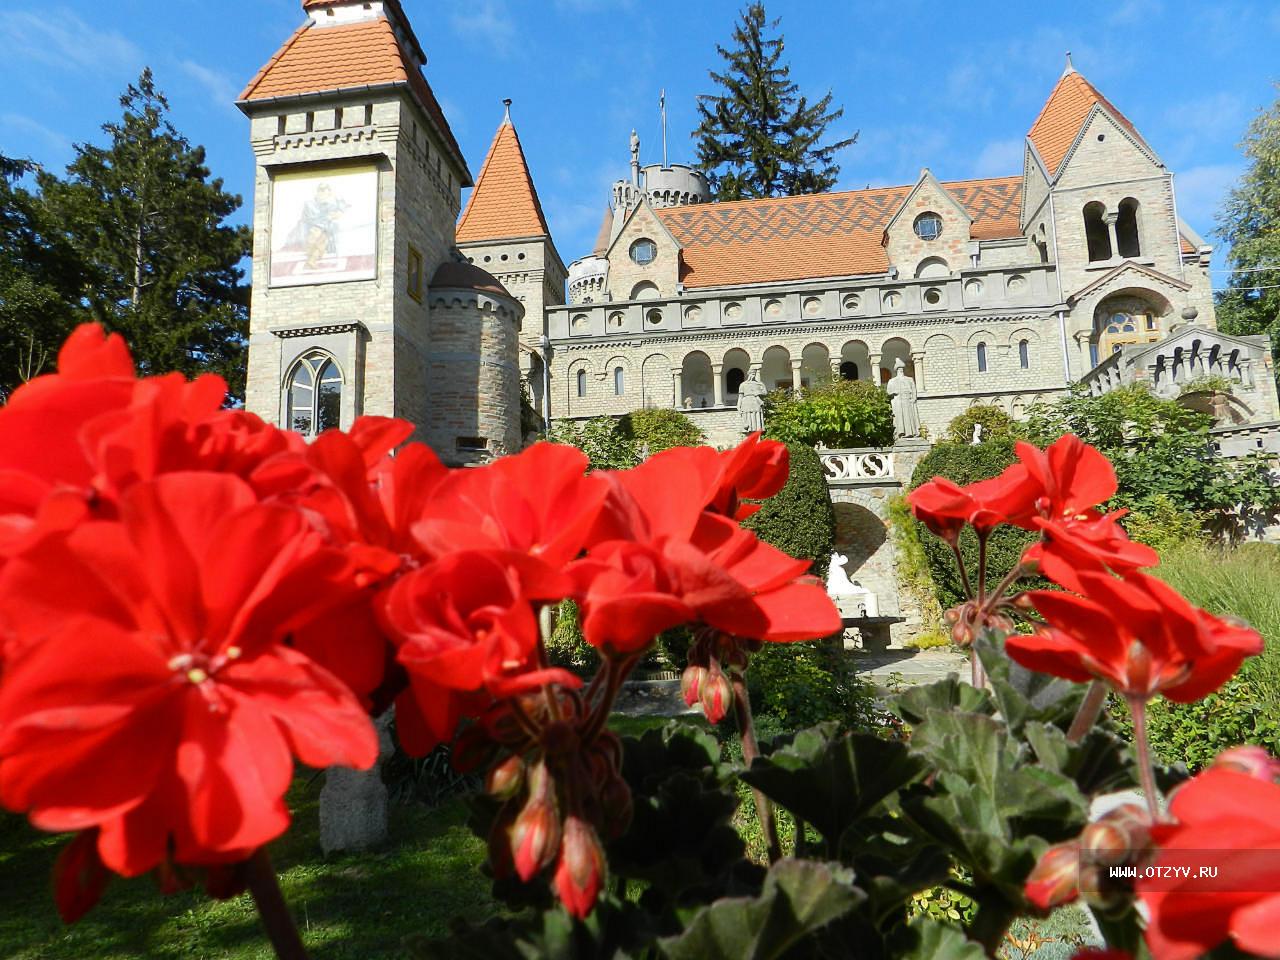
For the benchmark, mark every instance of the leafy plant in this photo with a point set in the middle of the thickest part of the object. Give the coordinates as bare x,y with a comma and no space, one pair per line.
1213,383
995,423
800,519
840,414
655,429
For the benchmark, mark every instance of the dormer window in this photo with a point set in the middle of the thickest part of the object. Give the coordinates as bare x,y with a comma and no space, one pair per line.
643,252
928,226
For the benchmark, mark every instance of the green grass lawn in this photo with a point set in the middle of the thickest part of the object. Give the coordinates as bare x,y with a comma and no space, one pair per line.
359,906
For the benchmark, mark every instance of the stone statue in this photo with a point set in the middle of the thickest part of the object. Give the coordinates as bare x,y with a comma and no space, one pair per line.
977,435
751,396
635,147
851,597
902,392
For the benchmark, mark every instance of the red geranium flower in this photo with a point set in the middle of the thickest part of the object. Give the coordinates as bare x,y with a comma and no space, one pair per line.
1094,544
753,470
946,508
1227,820
146,692
466,632
1137,634
1066,481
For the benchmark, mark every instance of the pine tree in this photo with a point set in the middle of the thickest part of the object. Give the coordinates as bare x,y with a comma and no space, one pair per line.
1250,223
39,282
148,226
758,137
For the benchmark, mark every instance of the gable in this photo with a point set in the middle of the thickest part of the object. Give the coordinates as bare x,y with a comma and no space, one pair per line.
1106,151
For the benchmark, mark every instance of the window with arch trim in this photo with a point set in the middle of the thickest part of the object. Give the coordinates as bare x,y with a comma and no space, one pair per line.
1127,234
982,357
314,398
619,381
582,383
734,377
1024,354
1097,234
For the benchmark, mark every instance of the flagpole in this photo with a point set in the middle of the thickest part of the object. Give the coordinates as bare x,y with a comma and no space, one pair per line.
662,104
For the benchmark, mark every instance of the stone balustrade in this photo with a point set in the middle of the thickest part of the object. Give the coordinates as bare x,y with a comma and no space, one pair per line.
853,467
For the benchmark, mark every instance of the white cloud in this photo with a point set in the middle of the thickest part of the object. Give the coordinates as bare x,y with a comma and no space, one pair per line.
593,6
1201,190
1000,158
27,138
489,22
1214,116
222,90
59,38
1136,11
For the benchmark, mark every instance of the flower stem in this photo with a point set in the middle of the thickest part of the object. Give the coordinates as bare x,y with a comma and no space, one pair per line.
1090,710
982,567
751,750
964,574
1146,772
265,889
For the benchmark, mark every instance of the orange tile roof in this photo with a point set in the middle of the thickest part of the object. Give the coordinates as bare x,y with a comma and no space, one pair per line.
823,235
366,53
504,204
1066,110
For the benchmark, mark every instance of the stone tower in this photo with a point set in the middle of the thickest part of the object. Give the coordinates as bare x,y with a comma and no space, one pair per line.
357,190
503,231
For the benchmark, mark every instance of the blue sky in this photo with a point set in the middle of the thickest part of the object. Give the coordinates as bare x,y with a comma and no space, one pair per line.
952,86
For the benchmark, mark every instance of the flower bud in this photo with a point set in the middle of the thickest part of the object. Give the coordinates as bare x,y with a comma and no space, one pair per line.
715,697
505,779
582,869
1106,843
1251,760
615,801
691,683
1056,877
535,834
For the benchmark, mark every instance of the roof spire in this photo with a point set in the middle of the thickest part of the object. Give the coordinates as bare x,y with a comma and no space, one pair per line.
506,116
1071,67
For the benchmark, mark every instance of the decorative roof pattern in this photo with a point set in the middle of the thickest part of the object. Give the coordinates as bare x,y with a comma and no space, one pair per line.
1064,113
823,235
504,203
348,56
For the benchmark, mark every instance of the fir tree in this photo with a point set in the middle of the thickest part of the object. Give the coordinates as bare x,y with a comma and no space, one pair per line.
148,227
759,137
1250,223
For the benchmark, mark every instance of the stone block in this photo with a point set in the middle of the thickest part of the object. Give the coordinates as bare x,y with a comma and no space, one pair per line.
353,803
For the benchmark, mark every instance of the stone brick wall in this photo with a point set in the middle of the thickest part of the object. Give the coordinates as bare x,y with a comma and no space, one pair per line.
663,272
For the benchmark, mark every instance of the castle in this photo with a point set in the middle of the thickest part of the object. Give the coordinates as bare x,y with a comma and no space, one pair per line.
372,295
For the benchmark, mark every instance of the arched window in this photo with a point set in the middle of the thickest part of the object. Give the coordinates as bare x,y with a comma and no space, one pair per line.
1024,354
619,381
733,379
315,396
982,358
1096,233
848,370
582,383
1127,229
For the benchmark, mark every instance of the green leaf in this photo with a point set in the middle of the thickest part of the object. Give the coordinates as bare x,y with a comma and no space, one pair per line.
831,781
914,704
1022,694
932,940
799,898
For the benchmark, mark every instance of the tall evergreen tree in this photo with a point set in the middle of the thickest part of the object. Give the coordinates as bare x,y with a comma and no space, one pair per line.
758,137
1250,223
39,282
148,225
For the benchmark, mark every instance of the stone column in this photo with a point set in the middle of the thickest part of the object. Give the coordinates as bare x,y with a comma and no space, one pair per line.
874,373
835,368
677,388
796,385
717,384
1110,220
917,362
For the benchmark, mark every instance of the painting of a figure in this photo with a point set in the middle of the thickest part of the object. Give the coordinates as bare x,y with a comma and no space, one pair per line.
324,226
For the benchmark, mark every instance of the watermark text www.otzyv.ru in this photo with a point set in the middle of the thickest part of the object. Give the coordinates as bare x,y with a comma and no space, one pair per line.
1199,871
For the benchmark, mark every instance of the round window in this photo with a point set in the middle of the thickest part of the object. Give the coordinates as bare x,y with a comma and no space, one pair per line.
928,226
644,252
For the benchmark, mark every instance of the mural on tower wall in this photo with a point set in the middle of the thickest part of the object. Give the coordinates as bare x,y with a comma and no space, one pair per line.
324,226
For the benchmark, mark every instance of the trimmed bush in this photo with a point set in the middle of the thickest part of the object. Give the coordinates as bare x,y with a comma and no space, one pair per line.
567,647
963,464
1162,524
996,424
803,684
618,443
800,519
843,414
659,429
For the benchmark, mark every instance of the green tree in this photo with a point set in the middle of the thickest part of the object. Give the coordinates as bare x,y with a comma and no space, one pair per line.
1162,457
757,136
1250,223
839,414
39,282
148,227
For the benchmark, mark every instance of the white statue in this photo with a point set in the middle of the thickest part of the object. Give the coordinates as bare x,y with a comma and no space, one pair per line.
977,435
751,396
902,391
851,597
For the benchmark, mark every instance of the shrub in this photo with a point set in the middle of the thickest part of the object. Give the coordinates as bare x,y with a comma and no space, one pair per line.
996,424
803,684
659,428
1162,524
966,463
845,413
567,647
605,445
914,573
800,519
